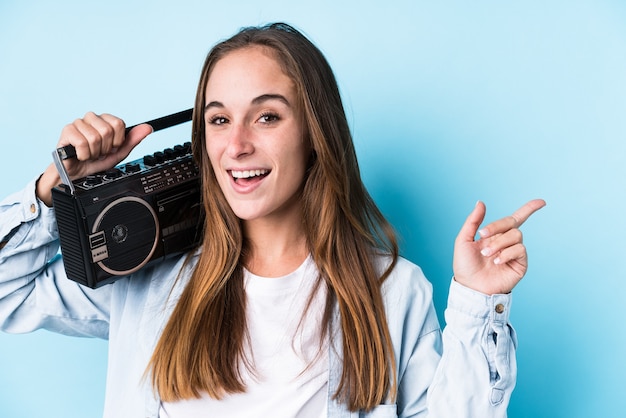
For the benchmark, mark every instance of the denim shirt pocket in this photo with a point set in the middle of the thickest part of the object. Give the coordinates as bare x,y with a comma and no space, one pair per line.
382,411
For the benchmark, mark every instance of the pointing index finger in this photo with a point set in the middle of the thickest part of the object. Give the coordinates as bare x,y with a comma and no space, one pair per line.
513,221
522,214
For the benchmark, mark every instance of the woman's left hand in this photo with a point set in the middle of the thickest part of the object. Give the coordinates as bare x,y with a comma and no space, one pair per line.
497,261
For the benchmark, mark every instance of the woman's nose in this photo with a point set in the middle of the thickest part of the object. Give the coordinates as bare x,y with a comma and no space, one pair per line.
239,143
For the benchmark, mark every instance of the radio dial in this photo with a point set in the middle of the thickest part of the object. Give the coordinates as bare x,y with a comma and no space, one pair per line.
93,180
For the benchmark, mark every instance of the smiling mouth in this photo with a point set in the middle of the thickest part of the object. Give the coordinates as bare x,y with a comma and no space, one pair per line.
247,175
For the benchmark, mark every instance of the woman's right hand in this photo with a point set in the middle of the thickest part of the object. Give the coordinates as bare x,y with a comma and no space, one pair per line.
100,142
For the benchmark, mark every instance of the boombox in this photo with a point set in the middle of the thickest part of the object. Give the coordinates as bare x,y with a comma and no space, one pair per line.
113,223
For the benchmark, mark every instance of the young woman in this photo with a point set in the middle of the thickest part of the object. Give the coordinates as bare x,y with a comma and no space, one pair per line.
296,304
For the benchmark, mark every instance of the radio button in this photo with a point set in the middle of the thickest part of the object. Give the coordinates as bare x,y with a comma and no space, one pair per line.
159,157
169,154
149,160
113,173
132,167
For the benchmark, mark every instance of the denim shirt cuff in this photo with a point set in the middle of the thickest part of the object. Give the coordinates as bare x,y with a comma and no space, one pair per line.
494,308
23,207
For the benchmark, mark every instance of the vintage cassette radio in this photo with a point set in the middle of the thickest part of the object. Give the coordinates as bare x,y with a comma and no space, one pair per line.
113,223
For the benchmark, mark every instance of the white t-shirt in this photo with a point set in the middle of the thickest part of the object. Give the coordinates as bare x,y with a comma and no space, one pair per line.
290,377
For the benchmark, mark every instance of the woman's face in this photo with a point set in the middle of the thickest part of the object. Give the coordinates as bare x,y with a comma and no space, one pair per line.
254,134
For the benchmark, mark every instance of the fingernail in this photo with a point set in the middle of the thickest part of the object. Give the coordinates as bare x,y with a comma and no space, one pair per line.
486,251
483,233
497,260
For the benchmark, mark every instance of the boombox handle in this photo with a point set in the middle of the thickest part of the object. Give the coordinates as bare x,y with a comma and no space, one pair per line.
69,151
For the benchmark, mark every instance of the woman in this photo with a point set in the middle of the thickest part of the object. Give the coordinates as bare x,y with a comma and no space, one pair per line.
296,303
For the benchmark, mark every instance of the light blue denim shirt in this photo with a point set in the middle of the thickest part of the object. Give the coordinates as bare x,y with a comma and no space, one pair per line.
469,370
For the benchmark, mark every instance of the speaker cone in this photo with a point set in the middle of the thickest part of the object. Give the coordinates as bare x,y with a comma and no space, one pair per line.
131,227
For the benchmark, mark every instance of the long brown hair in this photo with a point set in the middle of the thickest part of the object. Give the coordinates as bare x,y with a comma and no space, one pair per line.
202,346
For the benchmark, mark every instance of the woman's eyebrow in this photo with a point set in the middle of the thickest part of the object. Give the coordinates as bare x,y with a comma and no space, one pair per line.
214,103
256,101
265,97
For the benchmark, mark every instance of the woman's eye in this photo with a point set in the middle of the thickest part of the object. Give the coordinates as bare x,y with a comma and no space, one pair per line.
268,118
218,120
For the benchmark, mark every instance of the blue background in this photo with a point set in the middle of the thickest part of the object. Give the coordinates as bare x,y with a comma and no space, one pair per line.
449,101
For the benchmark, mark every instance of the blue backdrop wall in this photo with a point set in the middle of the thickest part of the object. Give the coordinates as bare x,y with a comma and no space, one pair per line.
449,102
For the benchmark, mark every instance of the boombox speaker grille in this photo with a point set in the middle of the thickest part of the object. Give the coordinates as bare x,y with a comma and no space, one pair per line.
130,227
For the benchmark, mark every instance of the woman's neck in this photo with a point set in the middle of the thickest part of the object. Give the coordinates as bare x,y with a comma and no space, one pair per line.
275,247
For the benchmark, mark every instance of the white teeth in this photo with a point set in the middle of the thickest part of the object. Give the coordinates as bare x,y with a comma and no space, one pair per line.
247,173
